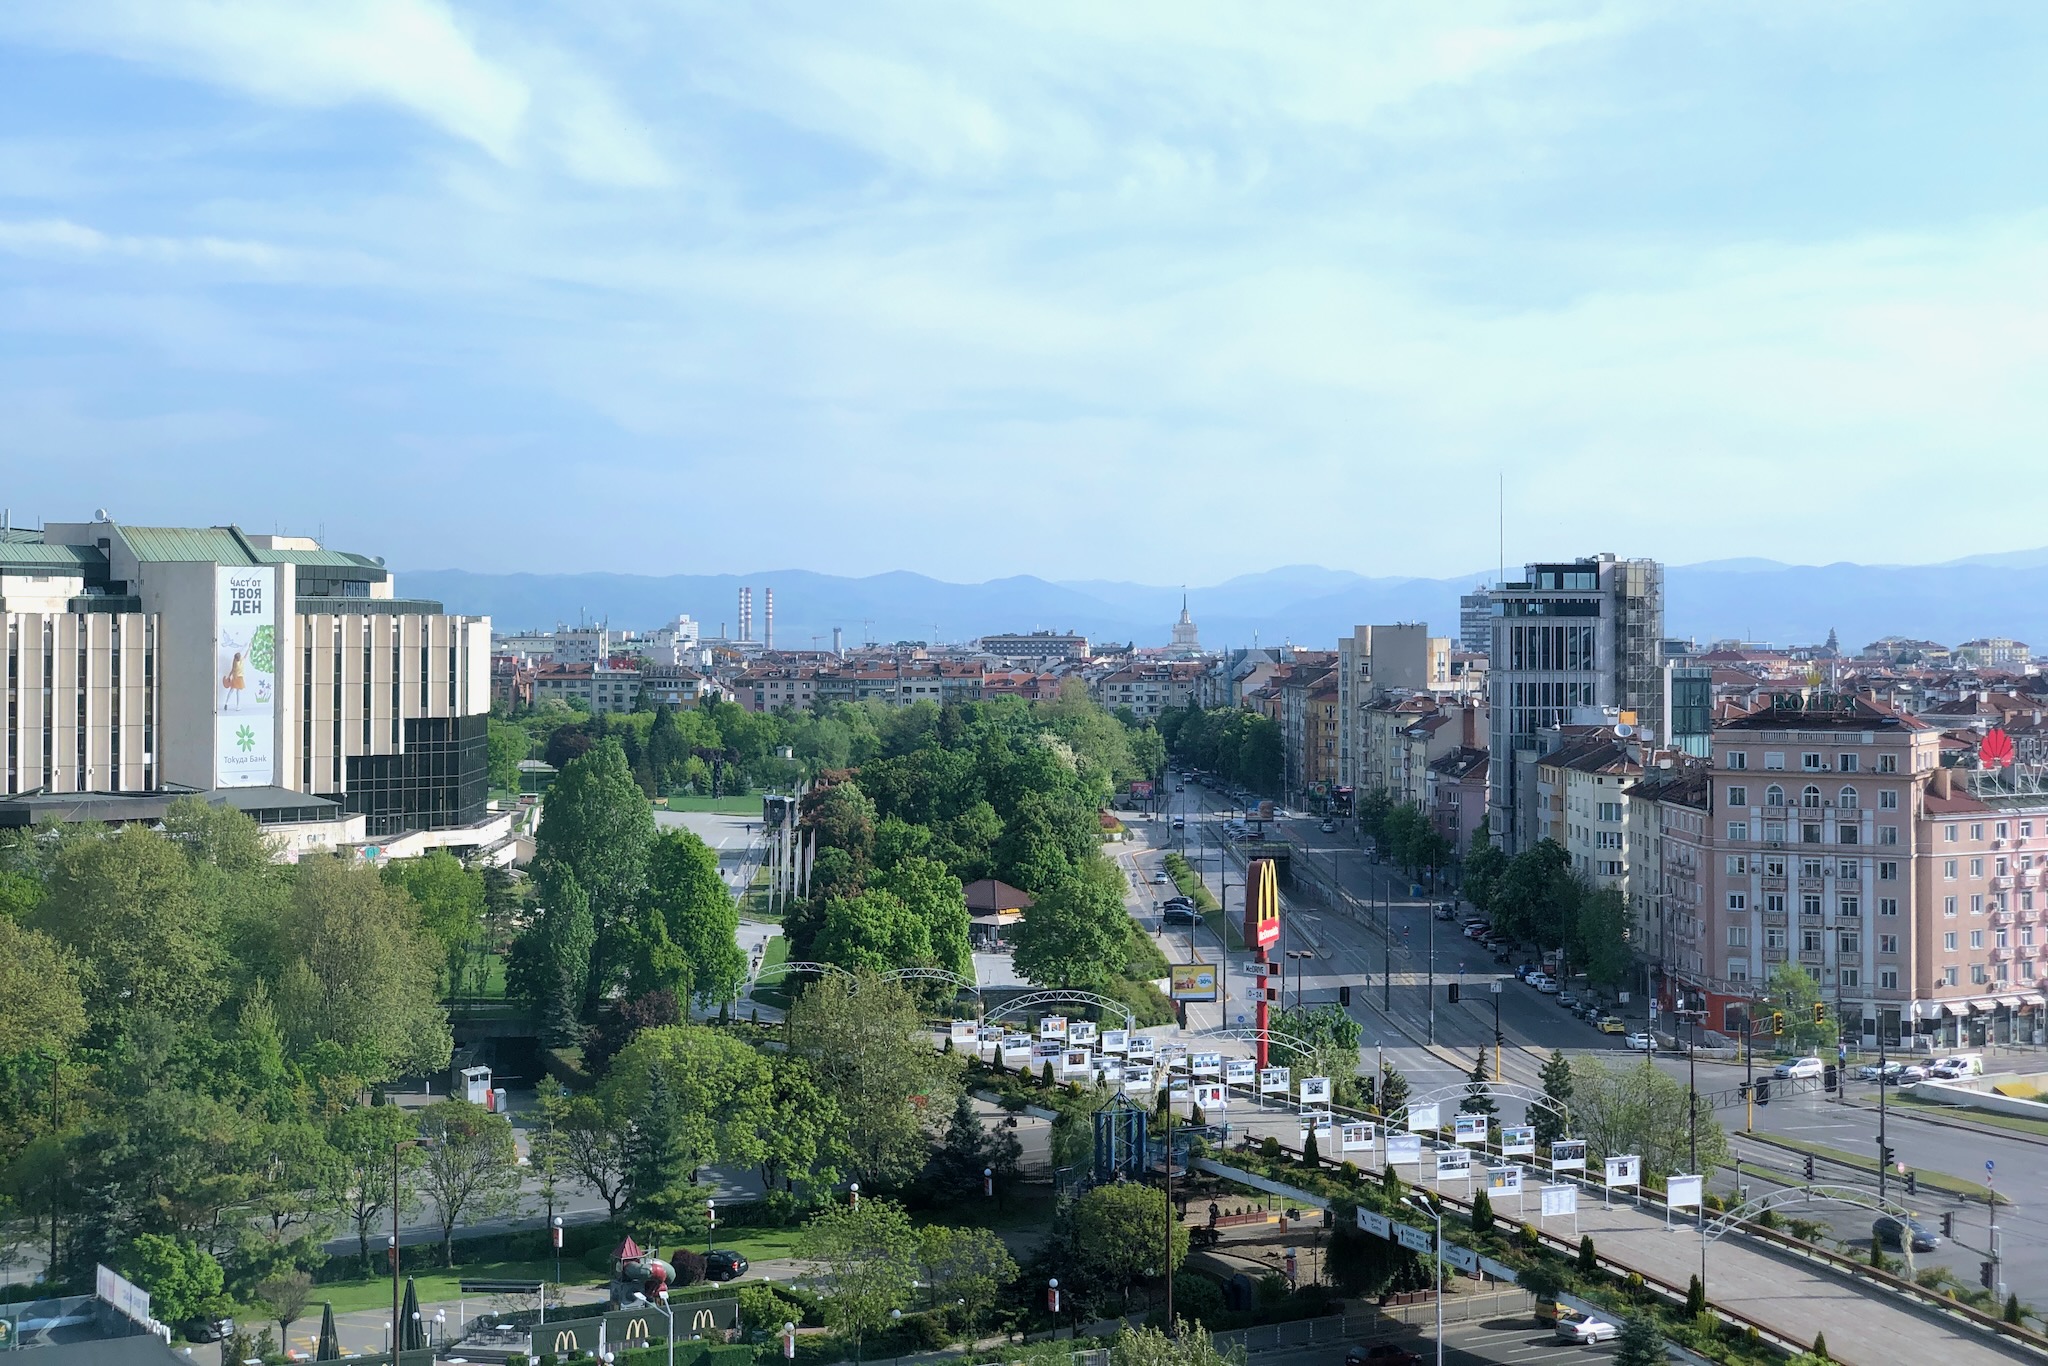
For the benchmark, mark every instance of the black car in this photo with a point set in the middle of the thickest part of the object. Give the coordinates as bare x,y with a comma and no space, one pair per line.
724,1266
1381,1354
207,1329
1888,1229
1180,915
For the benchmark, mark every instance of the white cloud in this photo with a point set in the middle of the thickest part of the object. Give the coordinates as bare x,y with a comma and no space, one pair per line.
60,237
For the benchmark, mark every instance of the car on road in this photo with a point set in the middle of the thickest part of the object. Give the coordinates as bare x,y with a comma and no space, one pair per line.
1608,1024
1443,910
1178,787
207,1329
1160,878
1908,1074
1587,1331
1798,1069
1525,971
1328,828
1887,1229
1960,1065
724,1265
1638,1043
1179,823
1566,999
1381,1354
1180,915
1872,1071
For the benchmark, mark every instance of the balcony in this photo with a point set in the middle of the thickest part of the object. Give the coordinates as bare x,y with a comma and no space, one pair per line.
2001,917
1773,884
2001,882
2029,951
1810,884
2001,955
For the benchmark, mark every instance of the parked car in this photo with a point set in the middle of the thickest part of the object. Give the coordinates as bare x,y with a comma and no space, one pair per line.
1547,987
205,1329
1381,1354
1328,828
1606,1024
1180,915
1887,1229
1958,1065
1872,1071
1638,1043
1443,910
1798,1068
724,1265
1587,1331
1566,999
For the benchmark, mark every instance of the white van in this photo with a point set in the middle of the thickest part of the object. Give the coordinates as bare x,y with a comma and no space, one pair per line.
1958,1065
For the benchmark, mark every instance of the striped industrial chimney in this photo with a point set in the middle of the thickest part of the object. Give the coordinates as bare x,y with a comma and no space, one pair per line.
768,629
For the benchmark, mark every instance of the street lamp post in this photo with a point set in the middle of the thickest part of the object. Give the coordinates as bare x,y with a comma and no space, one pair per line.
1496,1029
668,1313
711,1226
1436,1211
556,1224
1298,955
397,1317
853,1189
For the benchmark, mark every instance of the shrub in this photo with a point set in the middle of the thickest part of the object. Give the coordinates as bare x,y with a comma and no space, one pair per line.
1820,1345
1269,1148
1482,1213
1588,1261
689,1266
1695,1298
1045,1074
1348,1170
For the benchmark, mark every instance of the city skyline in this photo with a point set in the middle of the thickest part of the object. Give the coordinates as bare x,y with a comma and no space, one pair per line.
1083,272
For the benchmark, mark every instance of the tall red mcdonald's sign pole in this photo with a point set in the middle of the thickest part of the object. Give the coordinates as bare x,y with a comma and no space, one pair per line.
1261,932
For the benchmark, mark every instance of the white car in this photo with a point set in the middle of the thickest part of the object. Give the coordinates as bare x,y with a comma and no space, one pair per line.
1587,1331
1798,1069
1638,1043
1547,987
1160,878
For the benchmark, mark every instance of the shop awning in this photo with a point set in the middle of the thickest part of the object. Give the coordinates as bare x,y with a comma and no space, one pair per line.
2012,1002
1954,1008
1984,1005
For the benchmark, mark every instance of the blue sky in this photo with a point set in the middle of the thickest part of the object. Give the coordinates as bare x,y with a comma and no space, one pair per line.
1164,291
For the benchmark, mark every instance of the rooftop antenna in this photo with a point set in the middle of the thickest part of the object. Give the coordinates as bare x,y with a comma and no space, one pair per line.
1501,501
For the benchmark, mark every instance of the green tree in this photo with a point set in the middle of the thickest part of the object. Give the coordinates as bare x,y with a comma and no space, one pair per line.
1074,935
799,1132
506,745
1601,939
1792,990
1640,1344
1479,1091
359,974
590,1140
874,931
1119,1235
864,1263
1189,1345
1392,1092
450,902
1482,1212
1557,1085
1538,897
1332,1037
1485,865
1636,1108
935,897
965,1151
702,919
182,1278
284,1296
865,1043
358,1180
469,1168
597,827
125,905
41,1006
963,1266
720,1084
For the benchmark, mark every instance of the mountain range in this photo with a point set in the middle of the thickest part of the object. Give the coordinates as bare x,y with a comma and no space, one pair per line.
1749,599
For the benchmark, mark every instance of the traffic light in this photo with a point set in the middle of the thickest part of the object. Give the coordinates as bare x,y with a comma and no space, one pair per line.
1985,1272
1344,995
1830,1078
1742,1090
1820,1012
1884,1157
1948,1224
1809,1166
1777,1022
1763,1091
1454,993
1913,1187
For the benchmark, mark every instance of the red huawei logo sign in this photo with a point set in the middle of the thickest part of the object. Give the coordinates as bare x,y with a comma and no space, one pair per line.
1996,751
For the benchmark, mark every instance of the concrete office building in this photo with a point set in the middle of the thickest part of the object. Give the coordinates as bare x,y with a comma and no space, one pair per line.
1570,641
1475,621
147,662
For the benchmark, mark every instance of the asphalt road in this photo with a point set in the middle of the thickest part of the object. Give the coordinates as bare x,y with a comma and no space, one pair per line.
1381,922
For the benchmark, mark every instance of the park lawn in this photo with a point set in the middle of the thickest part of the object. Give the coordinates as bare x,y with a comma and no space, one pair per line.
773,993
436,1285
2017,1123
725,806
1941,1181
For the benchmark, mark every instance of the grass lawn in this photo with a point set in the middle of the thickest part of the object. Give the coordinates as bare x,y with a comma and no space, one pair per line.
774,993
1941,1181
440,1283
754,902
2019,1124
728,806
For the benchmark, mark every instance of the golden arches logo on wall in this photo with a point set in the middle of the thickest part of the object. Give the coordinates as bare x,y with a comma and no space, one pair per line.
565,1341
636,1328
1261,904
703,1320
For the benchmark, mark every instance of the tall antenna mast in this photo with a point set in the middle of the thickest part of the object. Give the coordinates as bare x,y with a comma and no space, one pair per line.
1502,502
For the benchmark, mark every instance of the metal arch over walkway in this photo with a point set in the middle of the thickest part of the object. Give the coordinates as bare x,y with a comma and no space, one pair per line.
784,968
1247,1034
1036,999
950,978
1505,1090
1861,1197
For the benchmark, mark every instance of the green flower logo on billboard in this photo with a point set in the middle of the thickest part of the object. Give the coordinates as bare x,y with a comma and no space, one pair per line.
245,739
263,649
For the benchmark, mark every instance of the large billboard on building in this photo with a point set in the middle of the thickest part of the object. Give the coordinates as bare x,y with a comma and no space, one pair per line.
245,678
1261,904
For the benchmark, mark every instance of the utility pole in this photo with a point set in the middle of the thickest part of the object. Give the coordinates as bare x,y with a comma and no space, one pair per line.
1430,928
1169,1222
1883,1084
1749,1083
